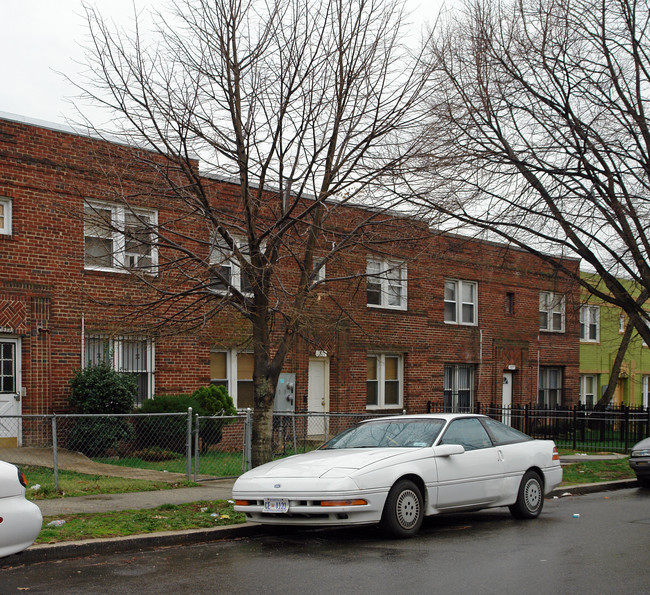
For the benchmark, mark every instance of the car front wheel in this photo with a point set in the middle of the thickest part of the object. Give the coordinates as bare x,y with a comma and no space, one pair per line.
644,481
403,511
530,497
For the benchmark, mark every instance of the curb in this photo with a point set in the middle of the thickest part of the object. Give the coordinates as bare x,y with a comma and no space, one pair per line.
592,488
111,545
90,547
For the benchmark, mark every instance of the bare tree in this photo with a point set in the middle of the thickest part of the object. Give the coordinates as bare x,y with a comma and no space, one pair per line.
540,135
308,107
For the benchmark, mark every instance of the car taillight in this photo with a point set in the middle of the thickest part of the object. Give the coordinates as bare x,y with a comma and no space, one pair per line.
21,478
556,454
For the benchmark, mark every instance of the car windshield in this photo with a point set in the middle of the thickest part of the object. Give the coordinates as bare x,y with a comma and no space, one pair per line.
416,433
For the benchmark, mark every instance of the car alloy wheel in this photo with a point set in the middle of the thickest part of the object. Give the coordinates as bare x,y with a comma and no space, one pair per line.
403,511
530,498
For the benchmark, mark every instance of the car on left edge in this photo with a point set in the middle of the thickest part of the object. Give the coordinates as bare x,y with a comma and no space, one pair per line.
640,462
20,519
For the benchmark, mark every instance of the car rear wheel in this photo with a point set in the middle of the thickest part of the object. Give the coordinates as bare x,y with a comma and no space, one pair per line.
530,498
403,511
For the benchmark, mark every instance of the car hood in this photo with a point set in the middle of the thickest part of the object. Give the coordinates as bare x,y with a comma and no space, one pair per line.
318,462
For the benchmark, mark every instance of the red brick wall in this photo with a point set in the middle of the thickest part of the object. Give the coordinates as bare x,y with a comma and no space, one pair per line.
48,298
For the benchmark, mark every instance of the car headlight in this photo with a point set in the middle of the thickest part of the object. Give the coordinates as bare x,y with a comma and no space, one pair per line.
640,453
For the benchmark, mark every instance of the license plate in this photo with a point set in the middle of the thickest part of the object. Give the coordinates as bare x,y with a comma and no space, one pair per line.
276,505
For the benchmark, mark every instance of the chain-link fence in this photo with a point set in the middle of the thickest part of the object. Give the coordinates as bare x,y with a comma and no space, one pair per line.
160,447
173,448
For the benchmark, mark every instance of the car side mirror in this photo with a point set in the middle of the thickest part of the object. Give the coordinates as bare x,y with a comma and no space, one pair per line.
446,450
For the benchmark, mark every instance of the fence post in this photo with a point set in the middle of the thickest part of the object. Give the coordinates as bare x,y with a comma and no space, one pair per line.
526,427
626,427
55,453
575,427
197,436
188,443
248,440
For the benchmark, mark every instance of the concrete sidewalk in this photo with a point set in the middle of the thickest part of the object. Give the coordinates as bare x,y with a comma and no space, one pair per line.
218,489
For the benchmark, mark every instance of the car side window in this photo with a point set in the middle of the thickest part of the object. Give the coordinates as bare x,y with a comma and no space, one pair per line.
503,434
468,432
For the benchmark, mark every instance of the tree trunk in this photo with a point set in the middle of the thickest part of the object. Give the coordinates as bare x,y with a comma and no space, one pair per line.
261,451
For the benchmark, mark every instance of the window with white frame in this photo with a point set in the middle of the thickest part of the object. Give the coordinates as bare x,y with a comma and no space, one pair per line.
386,284
5,216
221,258
132,355
119,238
461,301
588,388
550,386
590,323
621,323
234,370
384,381
458,388
551,312
645,391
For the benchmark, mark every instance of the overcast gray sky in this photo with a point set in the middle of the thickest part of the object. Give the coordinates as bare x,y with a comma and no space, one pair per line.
39,39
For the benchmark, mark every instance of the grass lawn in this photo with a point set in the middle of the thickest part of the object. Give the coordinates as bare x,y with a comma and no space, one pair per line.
595,471
79,484
169,517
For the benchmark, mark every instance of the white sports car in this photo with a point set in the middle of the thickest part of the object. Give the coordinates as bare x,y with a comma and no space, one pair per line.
20,519
397,470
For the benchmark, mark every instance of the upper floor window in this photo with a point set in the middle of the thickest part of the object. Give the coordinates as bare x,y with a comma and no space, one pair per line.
590,323
132,355
460,302
510,302
386,284
117,238
234,370
5,216
645,392
222,259
551,312
384,381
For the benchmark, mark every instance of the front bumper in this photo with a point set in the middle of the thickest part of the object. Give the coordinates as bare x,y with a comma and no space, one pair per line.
641,466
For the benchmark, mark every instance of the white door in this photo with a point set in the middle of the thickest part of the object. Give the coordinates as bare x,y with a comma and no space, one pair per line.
506,399
9,392
318,397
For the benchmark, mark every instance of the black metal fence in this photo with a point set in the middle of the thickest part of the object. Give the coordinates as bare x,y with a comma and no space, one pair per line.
615,429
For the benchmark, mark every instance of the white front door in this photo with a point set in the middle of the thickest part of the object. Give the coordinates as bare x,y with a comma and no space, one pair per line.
318,397
10,385
506,398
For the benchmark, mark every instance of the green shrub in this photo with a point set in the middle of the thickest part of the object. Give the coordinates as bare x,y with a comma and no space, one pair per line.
214,400
171,432
99,389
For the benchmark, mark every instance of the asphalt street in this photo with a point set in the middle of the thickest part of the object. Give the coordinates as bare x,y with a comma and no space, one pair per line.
592,543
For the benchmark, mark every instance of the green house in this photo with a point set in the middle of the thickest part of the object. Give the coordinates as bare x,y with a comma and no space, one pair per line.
602,327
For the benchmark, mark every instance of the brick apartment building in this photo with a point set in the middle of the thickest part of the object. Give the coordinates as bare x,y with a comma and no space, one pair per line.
465,321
